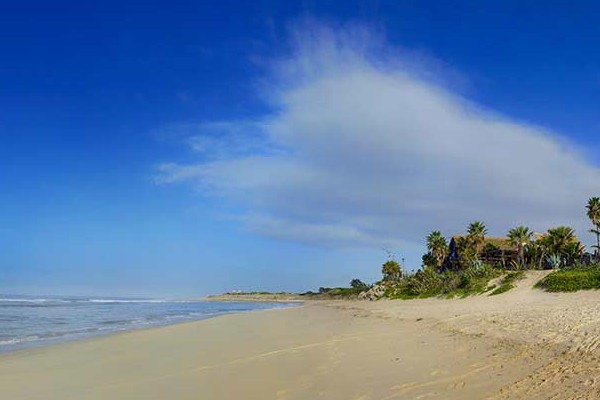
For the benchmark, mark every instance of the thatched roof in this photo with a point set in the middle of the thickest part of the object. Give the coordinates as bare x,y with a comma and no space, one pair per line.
500,242
540,236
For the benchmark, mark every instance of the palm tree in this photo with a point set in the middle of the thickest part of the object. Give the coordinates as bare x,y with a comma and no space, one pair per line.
437,246
392,271
476,234
535,253
593,213
573,252
520,237
558,239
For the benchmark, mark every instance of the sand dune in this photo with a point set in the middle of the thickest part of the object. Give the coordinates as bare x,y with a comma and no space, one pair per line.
521,344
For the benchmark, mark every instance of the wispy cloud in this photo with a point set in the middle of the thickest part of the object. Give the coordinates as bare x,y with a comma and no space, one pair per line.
368,145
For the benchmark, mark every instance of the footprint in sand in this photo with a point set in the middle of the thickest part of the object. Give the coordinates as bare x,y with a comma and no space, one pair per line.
460,385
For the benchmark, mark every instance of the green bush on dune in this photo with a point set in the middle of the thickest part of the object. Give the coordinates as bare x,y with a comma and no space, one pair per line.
508,282
427,282
571,280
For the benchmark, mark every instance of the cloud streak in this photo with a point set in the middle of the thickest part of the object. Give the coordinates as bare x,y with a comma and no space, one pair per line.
366,145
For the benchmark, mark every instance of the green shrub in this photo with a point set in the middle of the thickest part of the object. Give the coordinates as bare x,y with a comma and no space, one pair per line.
513,276
343,292
359,286
505,287
427,282
508,282
554,261
571,280
474,281
424,283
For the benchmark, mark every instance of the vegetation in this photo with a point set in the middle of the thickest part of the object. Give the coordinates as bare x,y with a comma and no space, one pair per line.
507,282
341,292
520,237
252,293
466,265
476,260
359,286
427,282
558,248
391,270
356,287
476,235
501,289
558,240
437,247
593,213
554,261
572,280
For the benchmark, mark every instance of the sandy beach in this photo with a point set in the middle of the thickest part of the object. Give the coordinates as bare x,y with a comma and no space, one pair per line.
522,344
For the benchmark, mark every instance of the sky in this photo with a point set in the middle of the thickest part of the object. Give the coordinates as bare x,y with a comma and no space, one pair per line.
183,148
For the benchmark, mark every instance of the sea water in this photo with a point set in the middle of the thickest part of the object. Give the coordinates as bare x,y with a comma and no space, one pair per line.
36,321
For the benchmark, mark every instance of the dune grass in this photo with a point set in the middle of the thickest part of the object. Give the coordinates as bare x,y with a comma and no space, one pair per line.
571,280
427,282
507,282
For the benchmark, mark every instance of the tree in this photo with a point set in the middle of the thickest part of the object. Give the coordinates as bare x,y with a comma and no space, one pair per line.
429,261
438,247
573,252
593,213
476,235
391,271
359,285
520,237
535,253
467,253
559,240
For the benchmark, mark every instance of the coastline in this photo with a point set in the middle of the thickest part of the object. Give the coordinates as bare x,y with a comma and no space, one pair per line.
297,352
256,297
73,323
522,344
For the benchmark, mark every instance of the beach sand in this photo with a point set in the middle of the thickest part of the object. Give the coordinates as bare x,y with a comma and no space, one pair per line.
524,344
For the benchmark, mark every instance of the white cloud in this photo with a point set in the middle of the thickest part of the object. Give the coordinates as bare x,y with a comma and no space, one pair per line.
365,147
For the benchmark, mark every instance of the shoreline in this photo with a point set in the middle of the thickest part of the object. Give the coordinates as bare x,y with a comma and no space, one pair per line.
256,297
109,335
312,349
78,337
522,344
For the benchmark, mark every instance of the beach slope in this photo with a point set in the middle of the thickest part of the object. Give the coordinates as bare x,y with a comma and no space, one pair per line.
522,344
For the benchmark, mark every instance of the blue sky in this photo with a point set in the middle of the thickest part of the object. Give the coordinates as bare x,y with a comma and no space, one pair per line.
184,148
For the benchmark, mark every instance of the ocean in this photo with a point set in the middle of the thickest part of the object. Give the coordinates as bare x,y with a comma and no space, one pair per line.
37,321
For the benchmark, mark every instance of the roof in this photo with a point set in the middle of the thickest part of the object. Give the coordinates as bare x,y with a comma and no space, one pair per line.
501,242
539,236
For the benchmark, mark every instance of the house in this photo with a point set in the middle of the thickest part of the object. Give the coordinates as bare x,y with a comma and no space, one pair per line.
495,251
499,252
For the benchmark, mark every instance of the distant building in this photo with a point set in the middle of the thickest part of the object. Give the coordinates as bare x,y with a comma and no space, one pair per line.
494,251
